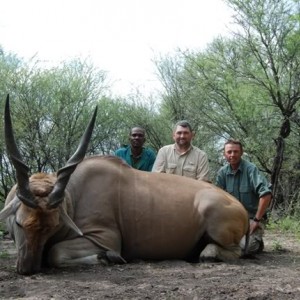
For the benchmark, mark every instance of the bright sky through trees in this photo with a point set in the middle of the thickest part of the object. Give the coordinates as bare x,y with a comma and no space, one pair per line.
120,36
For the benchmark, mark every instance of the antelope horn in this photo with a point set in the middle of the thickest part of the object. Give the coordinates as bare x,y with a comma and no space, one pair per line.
63,174
23,191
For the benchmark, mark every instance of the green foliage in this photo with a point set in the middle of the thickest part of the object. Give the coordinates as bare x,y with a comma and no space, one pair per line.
285,225
276,246
50,108
247,87
4,254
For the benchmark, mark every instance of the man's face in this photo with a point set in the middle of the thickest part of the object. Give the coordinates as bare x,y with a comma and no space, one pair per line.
182,136
233,154
137,137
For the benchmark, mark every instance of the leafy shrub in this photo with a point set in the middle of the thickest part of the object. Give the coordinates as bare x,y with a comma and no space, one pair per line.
286,224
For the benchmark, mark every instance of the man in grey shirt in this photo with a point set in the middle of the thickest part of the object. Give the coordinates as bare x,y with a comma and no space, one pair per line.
182,158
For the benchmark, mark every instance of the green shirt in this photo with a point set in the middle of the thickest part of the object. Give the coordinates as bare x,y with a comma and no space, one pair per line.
144,162
247,184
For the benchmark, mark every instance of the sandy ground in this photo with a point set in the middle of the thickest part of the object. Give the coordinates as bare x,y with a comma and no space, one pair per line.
275,274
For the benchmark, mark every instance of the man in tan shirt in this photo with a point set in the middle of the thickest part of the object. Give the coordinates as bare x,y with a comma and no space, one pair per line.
182,158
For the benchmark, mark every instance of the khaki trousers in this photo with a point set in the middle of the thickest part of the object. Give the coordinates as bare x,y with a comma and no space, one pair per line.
256,243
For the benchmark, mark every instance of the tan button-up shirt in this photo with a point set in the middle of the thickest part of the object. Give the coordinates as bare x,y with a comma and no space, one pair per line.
193,163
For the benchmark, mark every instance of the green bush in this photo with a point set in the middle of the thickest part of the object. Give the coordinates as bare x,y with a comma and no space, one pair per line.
277,246
286,224
4,254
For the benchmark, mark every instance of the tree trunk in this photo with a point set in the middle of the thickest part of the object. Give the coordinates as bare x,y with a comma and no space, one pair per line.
280,144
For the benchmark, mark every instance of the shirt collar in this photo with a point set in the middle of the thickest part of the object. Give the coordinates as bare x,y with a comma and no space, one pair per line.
187,151
239,169
130,152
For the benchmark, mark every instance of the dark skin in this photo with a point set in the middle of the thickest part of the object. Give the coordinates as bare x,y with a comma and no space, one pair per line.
137,140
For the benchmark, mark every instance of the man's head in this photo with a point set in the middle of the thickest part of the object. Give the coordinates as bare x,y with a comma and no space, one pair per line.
233,151
183,134
137,137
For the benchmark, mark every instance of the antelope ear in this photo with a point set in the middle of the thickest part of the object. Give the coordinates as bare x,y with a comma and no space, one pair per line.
10,209
68,221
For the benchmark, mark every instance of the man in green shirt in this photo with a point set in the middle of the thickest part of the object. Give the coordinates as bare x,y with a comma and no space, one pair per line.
136,155
243,180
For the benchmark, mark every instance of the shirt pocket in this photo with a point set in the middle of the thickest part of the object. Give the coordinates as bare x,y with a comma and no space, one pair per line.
248,199
171,168
245,194
189,171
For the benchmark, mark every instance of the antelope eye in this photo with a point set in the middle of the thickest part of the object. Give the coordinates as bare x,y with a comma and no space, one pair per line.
18,224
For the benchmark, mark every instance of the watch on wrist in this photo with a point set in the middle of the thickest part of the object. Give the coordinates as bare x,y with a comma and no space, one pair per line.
256,220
